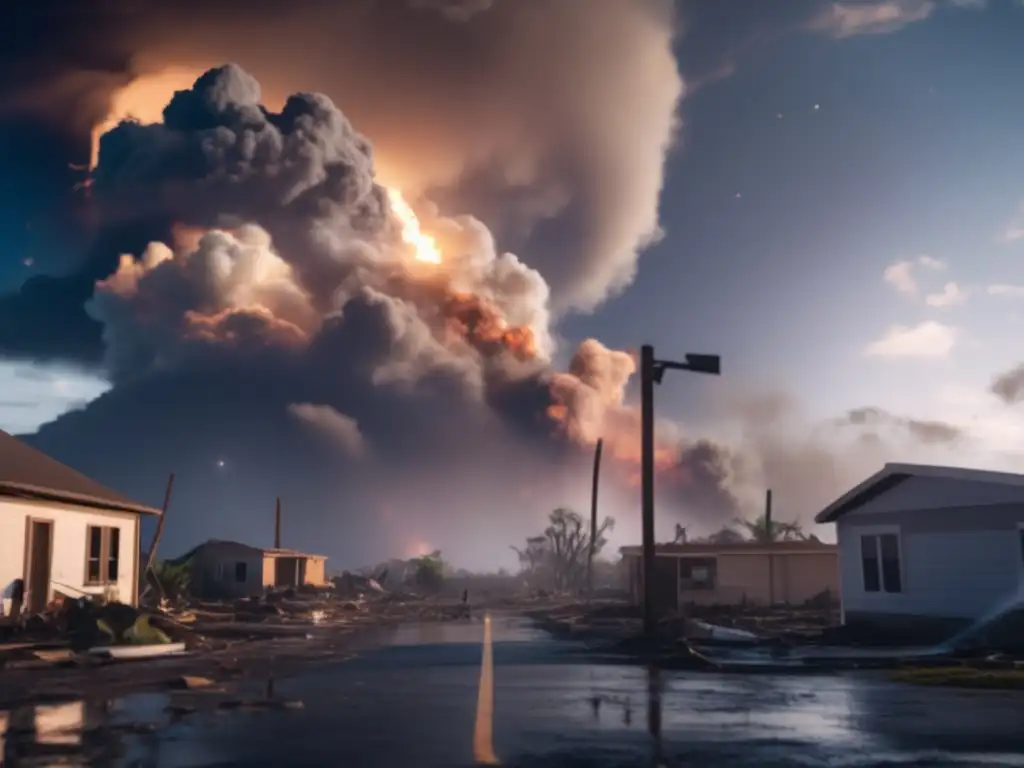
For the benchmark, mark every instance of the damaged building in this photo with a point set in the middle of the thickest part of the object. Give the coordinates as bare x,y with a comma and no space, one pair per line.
224,569
926,550
747,572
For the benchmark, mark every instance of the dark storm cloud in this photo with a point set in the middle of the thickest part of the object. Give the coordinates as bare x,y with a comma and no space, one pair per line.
1009,386
924,430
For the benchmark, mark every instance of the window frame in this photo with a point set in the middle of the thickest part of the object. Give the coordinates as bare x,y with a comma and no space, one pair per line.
879,531
105,560
710,562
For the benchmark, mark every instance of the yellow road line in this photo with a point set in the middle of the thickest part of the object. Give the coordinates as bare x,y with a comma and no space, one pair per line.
483,731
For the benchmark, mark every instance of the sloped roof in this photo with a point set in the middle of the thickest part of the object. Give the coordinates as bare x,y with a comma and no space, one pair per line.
265,551
28,473
892,475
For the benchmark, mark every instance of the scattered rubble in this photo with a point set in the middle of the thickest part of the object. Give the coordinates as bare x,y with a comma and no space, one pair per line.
302,624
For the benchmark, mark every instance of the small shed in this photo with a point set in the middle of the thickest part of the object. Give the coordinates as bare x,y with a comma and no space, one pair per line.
790,572
230,569
925,550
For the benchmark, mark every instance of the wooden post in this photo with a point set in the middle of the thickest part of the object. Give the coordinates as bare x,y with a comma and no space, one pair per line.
593,517
277,524
151,555
771,543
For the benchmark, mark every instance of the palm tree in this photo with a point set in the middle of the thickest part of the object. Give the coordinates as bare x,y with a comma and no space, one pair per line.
765,532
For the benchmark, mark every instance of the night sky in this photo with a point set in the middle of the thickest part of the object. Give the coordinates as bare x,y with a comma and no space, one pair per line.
841,216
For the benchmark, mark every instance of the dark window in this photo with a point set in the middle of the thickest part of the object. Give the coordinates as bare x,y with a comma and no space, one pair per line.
103,554
94,554
240,572
113,552
697,573
869,563
889,548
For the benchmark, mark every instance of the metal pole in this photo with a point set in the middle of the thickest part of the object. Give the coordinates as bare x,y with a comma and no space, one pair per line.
277,524
593,517
647,482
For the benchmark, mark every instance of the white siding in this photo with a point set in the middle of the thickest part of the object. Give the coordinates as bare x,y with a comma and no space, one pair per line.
924,494
949,574
69,544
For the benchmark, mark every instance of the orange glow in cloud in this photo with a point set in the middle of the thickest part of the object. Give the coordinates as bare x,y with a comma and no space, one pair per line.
143,100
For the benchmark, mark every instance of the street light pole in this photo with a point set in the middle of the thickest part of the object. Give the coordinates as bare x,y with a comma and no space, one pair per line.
647,484
651,372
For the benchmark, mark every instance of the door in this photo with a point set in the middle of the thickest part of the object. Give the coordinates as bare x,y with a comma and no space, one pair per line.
40,560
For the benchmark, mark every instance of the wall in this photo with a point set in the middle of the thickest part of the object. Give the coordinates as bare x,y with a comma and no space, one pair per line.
957,563
69,544
745,577
315,571
214,570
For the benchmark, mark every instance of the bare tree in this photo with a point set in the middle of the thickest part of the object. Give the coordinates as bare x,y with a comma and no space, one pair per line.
559,558
765,531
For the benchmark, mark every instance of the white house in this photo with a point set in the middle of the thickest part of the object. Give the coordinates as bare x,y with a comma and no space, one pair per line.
925,550
62,532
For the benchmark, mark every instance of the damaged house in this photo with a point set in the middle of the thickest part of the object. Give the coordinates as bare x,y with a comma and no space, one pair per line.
63,533
227,569
925,550
790,572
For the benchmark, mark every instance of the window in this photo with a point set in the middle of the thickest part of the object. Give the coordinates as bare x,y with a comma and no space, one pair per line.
240,572
697,573
880,563
103,554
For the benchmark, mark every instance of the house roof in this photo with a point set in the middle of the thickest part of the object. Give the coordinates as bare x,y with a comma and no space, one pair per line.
741,547
892,475
28,473
265,551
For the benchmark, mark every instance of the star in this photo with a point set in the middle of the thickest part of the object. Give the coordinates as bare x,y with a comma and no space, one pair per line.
220,463
738,195
779,115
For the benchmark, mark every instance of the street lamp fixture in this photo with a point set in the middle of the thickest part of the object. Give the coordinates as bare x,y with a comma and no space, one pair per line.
652,371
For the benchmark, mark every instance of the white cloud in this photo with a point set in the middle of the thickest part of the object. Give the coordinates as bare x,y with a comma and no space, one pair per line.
901,274
1015,228
870,17
951,295
342,429
925,340
1009,291
32,395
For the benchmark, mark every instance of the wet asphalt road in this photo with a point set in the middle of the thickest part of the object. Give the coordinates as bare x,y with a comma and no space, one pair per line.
414,702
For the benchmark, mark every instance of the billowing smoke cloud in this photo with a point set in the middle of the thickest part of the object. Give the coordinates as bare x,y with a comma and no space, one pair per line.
554,116
339,427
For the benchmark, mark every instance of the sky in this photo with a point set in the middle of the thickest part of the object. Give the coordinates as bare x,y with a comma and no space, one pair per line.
838,212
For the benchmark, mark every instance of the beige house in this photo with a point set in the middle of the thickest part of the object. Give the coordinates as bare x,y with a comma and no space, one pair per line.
728,574
62,533
230,569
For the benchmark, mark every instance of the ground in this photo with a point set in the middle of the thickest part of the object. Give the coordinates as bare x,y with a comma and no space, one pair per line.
410,698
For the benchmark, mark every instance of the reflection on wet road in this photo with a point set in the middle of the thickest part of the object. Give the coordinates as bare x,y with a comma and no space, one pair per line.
418,701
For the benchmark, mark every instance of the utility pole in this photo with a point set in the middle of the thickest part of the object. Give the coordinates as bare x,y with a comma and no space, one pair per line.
651,372
593,517
277,524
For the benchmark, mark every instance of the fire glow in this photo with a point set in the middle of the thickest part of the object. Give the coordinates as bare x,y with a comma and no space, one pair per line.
424,246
